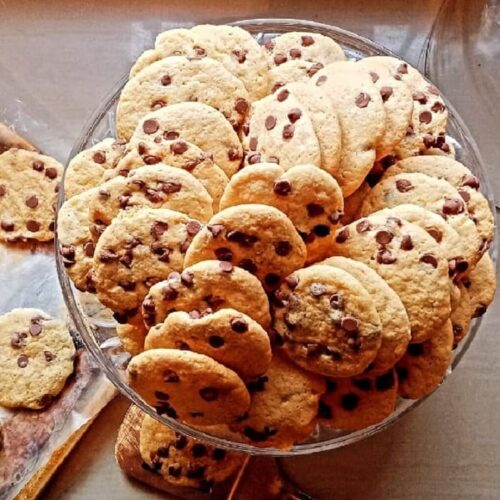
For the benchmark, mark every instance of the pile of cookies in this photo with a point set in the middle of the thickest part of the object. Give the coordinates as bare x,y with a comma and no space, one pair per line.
283,235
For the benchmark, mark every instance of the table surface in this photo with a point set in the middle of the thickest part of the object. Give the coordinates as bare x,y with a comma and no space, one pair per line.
58,59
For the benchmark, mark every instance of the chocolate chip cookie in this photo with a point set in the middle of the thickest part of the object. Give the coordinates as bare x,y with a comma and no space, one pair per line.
228,336
206,287
309,196
481,285
36,358
29,183
258,238
189,386
327,321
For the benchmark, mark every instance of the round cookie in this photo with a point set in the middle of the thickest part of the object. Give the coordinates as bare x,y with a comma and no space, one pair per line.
36,358
430,115
361,115
304,46
155,186
393,317
284,405
353,202
398,104
358,402
132,334
409,260
138,249
436,195
325,122
443,233
207,287
173,42
181,460
481,285
459,176
310,197
258,238
228,336
461,316
295,70
179,154
280,130
327,321
238,51
178,79
29,183
424,365
75,239
189,386
86,170
197,123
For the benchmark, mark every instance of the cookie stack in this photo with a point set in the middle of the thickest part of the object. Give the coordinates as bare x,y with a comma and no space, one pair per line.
284,236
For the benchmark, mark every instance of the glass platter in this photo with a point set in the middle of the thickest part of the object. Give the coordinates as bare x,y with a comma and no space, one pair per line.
97,328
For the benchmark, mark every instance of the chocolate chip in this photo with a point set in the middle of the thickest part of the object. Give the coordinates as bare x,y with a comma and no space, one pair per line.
294,115
257,384
385,93
279,59
48,356
32,226
292,281
128,286
243,239
337,301
314,209
321,80
3,189
363,384
471,181
425,117
162,396
216,341
420,97
429,259
170,135
195,471
248,265
295,53
215,229
307,40
349,324
218,454
415,350
282,187
38,166
166,80
225,266
169,376
198,450
402,69
255,435
385,257
282,95
288,131
317,289
363,226
403,185
187,278
406,242
22,361
253,158
384,237
386,381
453,206
158,104
193,227
233,154
435,233
158,228
349,401
374,76
224,253
178,147
51,173
321,230
282,248
464,194
241,55
362,100
17,339
479,311
402,373
272,280
174,470
438,107
325,411
342,235
253,143
35,329
314,69
241,106
209,393
150,126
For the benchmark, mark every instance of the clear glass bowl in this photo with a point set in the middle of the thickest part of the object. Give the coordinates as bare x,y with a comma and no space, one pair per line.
97,328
